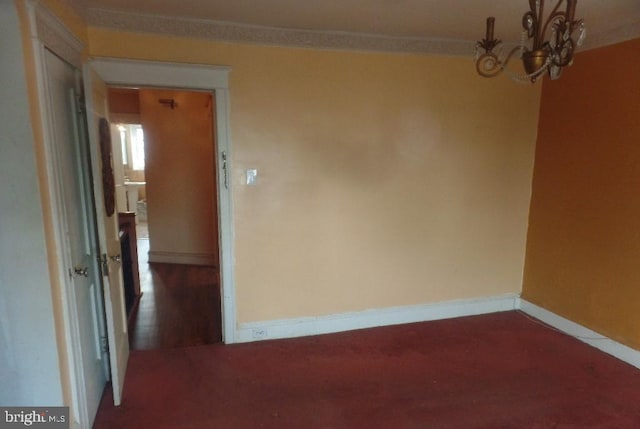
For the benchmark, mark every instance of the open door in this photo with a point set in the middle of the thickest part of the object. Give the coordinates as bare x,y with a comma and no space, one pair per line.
108,228
199,78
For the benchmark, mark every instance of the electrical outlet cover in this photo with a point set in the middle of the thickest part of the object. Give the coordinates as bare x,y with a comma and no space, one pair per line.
252,176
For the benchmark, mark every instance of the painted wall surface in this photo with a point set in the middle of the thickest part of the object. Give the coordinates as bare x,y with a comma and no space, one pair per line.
29,366
179,148
583,247
124,101
383,180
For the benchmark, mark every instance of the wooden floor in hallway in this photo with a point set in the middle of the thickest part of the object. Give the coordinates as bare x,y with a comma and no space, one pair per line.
179,307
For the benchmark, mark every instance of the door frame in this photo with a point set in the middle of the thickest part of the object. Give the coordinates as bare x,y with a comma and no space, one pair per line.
198,77
48,33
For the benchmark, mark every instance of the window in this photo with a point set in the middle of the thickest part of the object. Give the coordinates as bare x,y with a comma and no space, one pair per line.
137,147
123,144
132,143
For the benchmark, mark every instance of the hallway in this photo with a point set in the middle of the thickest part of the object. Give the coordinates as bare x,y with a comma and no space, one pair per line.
179,306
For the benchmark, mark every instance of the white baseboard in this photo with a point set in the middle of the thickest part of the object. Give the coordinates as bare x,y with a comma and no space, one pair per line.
182,258
594,339
289,328
305,326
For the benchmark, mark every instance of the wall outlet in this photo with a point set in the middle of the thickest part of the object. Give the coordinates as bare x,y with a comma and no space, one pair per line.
258,333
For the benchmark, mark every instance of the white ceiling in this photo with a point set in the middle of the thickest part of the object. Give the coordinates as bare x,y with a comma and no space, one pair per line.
418,20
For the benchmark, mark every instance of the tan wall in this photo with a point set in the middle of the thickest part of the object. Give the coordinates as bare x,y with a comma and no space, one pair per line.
384,179
583,250
179,150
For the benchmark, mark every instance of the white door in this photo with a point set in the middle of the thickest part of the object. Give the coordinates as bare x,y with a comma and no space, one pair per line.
80,239
108,236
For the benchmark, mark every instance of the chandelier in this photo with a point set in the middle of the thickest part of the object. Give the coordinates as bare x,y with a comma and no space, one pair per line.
537,54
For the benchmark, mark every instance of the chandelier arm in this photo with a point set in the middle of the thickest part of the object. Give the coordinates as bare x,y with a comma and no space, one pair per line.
488,65
554,13
553,17
496,65
535,18
539,14
510,55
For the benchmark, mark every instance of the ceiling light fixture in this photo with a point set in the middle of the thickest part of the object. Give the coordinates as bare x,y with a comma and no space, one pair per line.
537,54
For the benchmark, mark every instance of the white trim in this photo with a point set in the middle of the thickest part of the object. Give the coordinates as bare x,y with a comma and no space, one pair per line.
307,326
52,33
225,217
182,258
289,328
205,78
586,335
162,74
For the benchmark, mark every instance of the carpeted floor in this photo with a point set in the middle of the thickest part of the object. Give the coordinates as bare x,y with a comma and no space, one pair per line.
500,370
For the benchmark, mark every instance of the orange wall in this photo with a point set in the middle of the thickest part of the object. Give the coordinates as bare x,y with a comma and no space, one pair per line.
124,101
383,180
583,249
179,150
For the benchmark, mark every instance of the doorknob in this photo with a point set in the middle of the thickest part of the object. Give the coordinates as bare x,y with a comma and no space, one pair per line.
115,258
81,271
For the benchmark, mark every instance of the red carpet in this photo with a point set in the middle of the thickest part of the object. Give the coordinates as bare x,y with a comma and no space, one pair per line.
494,371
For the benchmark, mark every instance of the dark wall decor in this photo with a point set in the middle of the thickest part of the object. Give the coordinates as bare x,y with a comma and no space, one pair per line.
108,181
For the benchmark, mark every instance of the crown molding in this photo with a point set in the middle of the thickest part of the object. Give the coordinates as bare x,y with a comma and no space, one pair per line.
334,40
240,33
47,29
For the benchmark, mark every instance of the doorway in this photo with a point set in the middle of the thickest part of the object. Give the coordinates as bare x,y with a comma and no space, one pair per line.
171,190
214,79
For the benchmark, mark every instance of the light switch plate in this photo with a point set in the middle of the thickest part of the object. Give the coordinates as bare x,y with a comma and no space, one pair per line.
252,176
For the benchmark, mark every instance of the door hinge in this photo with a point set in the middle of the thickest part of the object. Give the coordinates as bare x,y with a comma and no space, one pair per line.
104,264
104,344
